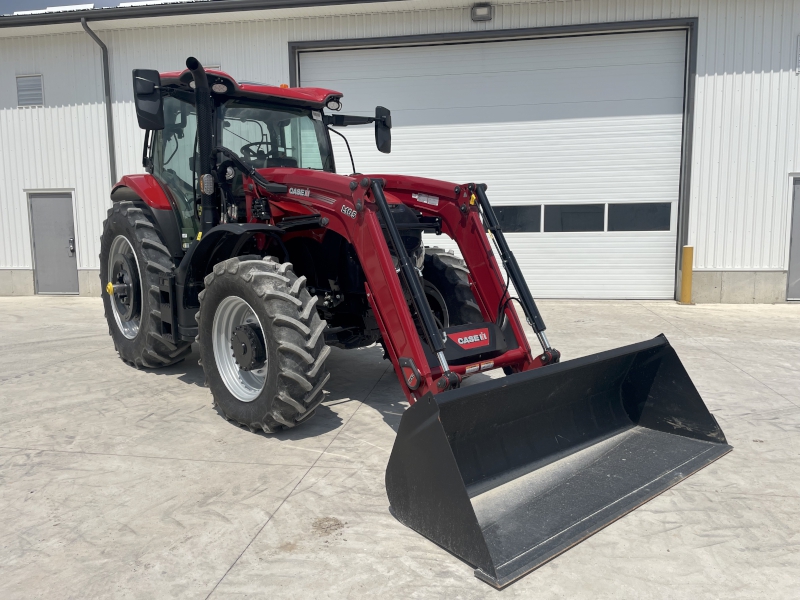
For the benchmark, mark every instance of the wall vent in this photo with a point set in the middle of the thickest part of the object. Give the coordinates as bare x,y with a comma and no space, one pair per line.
30,90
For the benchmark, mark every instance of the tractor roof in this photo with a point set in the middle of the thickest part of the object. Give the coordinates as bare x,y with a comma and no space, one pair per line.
308,97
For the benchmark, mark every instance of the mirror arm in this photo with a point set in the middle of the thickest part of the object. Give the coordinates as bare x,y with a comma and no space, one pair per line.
346,120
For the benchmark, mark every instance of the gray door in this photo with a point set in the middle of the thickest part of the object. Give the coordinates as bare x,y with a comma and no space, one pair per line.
793,291
54,261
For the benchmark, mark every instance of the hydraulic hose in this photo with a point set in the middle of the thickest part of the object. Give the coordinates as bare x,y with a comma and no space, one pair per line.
209,212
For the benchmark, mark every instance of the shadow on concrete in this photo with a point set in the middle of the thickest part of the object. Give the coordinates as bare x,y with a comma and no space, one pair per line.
324,420
361,375
392,403
187,370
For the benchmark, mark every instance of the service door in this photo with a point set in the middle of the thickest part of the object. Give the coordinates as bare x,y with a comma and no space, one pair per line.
54,262
578,138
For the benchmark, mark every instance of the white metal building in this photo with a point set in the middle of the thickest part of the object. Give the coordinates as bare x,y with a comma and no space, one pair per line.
610,132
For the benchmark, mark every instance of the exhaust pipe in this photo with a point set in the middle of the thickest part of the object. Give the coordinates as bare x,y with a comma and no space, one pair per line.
510,473
202,95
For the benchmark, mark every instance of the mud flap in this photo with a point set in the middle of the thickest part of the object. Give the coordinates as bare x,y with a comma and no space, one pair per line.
509,473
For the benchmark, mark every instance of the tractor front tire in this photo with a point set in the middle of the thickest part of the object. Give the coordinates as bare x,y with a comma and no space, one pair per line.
279,332
446,282
132,253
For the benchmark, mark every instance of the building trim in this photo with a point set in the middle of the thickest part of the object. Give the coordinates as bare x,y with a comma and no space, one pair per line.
504,35
687,143
167,10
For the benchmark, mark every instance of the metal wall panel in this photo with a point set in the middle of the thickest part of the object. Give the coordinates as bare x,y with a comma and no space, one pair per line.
746,108
745,135
58,146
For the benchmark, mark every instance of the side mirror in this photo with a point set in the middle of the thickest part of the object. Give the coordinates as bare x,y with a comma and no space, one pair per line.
147,98
383,129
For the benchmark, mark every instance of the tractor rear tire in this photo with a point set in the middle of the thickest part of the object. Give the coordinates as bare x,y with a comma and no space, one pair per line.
449,276
284,386
140,257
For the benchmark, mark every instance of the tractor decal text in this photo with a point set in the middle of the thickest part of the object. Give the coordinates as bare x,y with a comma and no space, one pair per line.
474,338
305,192
349,211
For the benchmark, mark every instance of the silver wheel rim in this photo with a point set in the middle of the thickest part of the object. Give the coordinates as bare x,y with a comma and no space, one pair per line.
232,312
129,328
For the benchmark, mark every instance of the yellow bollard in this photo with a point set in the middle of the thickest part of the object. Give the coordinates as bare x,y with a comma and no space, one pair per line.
687,263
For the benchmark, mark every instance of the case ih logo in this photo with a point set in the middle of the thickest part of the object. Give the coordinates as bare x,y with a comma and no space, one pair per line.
471,339
300,192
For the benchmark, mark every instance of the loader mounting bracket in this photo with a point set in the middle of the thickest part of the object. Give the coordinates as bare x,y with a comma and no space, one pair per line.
550,356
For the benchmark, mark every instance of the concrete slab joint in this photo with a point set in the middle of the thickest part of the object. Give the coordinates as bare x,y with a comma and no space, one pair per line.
738,287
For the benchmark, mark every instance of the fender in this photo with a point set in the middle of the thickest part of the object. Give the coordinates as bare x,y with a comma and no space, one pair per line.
146,189
218,243
179,291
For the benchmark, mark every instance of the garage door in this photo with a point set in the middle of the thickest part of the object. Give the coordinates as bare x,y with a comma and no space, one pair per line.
578,139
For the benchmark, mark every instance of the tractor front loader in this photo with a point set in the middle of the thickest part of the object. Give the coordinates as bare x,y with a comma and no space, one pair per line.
242,237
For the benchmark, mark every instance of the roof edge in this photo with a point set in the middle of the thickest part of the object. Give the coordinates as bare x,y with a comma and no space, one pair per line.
166,10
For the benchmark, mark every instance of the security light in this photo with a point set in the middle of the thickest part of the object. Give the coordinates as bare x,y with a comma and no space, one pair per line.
482,12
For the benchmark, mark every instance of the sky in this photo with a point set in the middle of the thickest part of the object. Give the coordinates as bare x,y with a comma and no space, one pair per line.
8,7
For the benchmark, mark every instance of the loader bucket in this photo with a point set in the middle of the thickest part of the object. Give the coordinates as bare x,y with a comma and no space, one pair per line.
509,473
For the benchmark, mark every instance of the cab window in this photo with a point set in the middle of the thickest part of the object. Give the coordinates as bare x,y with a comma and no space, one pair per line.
174,151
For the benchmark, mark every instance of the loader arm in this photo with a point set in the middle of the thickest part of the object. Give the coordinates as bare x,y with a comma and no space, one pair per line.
352,208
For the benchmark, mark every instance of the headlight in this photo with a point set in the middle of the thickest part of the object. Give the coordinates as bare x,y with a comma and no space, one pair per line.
334,104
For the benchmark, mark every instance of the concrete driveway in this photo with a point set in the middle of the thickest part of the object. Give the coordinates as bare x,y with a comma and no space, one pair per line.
127,484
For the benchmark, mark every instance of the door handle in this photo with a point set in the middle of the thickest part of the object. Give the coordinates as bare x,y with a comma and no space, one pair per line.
71,246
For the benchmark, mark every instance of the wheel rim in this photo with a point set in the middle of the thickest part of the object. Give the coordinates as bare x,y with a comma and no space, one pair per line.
437,304
232,312
127,314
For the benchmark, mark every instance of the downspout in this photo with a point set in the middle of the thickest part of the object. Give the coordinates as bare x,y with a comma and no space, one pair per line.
112,157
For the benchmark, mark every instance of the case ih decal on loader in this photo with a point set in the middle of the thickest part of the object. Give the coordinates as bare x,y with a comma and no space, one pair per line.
471,339
242,237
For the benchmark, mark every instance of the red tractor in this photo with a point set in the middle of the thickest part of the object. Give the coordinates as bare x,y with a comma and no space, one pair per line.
242,237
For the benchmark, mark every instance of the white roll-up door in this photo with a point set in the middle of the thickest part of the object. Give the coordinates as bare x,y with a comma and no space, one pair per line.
578,139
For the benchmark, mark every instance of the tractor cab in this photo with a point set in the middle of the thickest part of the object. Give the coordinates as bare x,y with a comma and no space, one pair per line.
264,126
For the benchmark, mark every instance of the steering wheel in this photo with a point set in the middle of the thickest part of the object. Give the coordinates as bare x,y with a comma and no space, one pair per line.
248,150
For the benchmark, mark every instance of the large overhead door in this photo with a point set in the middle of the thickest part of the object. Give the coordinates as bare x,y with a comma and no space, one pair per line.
578,139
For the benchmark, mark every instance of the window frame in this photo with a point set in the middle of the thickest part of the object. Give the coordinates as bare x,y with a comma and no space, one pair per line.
256,102
153,139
